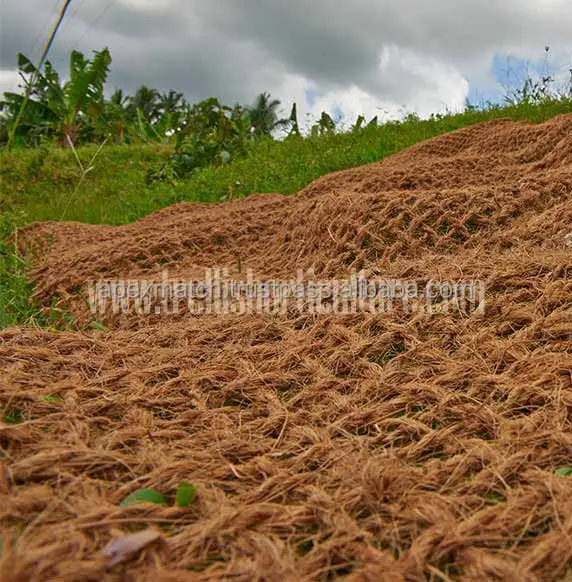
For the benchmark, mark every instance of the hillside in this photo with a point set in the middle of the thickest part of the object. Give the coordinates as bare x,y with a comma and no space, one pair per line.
428,441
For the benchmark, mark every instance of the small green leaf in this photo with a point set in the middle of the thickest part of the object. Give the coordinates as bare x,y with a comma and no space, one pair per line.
52,399
564,472
186,494
492,498
144,496
98,325
14,417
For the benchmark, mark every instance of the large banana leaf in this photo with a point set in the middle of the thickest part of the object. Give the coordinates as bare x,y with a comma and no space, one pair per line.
87,79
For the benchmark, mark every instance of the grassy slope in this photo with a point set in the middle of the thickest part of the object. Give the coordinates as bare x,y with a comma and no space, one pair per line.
39,184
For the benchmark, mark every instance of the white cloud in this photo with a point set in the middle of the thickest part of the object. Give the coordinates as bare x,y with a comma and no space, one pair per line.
364,56
435,88
9,80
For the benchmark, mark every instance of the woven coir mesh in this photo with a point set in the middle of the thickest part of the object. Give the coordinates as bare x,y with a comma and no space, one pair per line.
360,446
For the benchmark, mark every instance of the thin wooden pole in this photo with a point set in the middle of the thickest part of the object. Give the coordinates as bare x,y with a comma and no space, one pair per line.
36,72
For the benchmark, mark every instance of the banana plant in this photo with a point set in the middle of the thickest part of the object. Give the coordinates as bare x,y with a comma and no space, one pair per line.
113,121
325,126
63,110
293,119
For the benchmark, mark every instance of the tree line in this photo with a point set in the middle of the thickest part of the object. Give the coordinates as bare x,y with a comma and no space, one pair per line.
77,111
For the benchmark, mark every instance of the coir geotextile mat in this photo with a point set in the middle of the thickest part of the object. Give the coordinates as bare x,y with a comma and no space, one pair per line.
363,446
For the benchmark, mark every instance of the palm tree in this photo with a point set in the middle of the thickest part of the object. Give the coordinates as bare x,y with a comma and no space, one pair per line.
172,102
263,116
147,101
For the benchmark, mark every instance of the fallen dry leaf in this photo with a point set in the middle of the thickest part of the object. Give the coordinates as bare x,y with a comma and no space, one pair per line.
125,547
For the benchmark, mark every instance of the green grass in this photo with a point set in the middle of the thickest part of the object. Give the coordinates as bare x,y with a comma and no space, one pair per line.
15,305
38,184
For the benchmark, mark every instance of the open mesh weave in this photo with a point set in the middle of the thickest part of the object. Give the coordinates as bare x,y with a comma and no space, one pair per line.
360,446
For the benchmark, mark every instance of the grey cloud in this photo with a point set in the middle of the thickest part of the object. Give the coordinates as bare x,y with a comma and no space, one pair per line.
236,48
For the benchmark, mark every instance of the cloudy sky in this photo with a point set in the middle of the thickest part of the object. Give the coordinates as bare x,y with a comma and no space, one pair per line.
376,57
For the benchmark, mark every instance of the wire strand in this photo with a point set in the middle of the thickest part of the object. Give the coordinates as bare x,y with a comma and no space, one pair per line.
92,25
72,15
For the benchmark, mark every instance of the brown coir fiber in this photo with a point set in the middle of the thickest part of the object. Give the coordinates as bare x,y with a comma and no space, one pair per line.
362,446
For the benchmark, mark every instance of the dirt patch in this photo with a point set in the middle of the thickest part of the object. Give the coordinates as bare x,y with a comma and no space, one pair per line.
359,446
